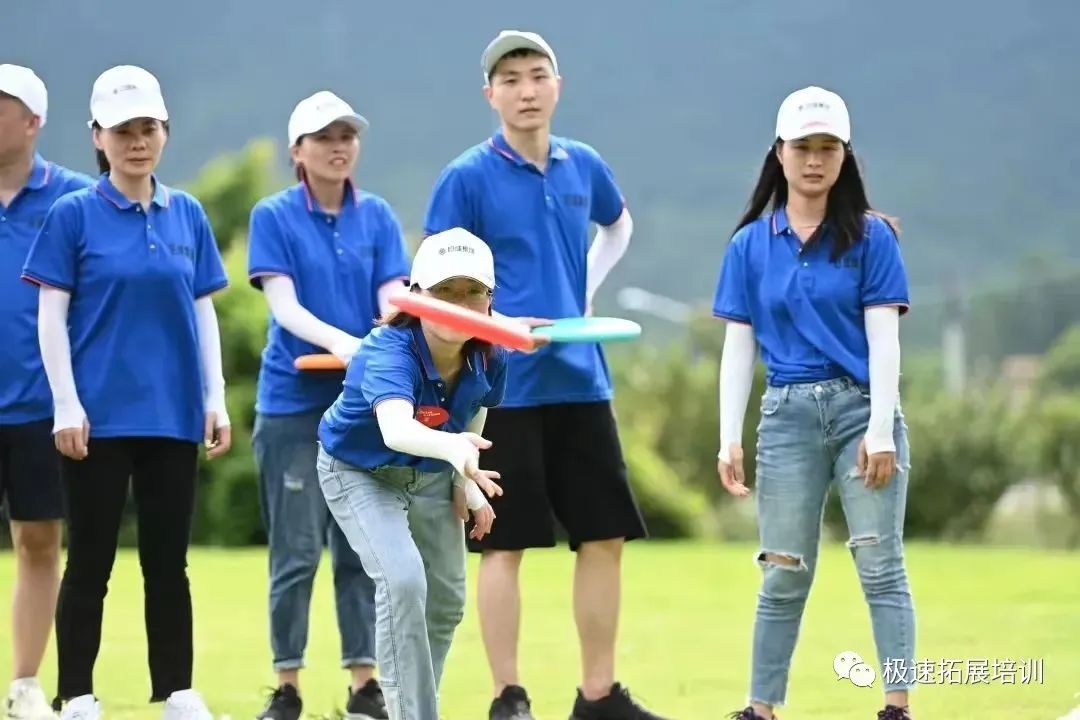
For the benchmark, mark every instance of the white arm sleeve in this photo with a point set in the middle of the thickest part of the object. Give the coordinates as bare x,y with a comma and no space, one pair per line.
607,249
210,355
56,356
290,314
474,496
386,291
736,379
883,337
402,433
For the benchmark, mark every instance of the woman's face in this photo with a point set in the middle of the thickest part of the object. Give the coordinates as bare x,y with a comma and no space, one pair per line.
811,164
464,292
329,155
132,148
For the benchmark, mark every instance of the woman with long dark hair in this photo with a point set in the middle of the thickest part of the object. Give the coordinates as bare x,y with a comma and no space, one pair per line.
818,283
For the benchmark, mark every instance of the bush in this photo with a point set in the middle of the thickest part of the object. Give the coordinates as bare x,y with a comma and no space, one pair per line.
671,508
1055,440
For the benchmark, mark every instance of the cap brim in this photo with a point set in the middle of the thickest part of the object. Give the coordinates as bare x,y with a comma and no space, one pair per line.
811,131
112,118
427,284
506,45
356,121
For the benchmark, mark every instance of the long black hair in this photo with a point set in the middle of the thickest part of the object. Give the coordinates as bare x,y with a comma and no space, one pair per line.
846,207
99,155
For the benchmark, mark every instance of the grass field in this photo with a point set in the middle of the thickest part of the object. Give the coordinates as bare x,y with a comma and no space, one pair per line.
684,636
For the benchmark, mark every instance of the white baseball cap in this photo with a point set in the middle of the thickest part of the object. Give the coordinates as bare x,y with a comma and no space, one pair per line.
314,113
508,41
124,93
453,253
22,83
813,111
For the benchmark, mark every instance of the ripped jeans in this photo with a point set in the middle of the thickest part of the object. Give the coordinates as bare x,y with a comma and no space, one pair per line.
808,440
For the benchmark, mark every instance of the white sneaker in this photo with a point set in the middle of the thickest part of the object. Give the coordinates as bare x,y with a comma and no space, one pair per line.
186,705
26,701
83,707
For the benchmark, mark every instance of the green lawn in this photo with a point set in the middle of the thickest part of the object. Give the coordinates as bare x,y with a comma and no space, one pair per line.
685,633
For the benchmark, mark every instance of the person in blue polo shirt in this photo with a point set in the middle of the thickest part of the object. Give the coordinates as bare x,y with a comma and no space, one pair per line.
30,487
819,284
326,256
130,345
398,466
532,196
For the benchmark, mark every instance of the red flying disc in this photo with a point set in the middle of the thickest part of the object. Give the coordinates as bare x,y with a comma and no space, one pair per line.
432,415
323,361
469,322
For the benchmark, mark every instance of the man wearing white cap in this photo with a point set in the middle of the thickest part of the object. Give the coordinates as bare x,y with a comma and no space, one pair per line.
532,197
30,488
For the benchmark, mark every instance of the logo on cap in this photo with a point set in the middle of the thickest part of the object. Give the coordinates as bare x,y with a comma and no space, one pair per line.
457,248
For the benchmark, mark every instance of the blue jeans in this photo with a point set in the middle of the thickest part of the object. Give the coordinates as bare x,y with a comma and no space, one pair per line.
298,523
808,440
402,525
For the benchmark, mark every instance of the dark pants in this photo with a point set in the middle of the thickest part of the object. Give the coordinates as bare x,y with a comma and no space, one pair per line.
161,473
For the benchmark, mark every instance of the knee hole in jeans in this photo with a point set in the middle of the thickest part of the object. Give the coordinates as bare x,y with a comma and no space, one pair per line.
785,561
862,541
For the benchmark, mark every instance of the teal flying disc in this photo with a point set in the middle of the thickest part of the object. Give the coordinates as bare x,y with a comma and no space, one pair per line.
589,329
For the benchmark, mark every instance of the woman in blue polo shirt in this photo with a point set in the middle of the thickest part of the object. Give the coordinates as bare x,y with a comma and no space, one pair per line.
326,256
399,465
819,284
130,345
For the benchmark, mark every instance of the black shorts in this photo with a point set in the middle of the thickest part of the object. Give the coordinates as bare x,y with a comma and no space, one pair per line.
30,487
558,462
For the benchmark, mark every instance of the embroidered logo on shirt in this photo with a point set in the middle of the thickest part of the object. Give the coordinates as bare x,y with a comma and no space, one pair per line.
186,250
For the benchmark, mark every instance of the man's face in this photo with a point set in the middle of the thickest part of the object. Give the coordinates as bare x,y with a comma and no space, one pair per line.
524,91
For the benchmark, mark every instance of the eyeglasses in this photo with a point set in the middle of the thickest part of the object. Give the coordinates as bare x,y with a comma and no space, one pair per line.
471,296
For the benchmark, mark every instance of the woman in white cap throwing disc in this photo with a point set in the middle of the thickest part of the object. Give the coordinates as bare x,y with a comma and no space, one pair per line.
819,284
399,466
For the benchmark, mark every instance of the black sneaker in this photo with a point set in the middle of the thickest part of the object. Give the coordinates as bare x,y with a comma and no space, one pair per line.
284,704
893,712
512,704
367,703
618,705
748,714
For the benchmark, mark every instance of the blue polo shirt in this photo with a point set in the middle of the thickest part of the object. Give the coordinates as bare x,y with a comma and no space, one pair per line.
24,388
806,310
394,362
337,264
537,225
133,275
